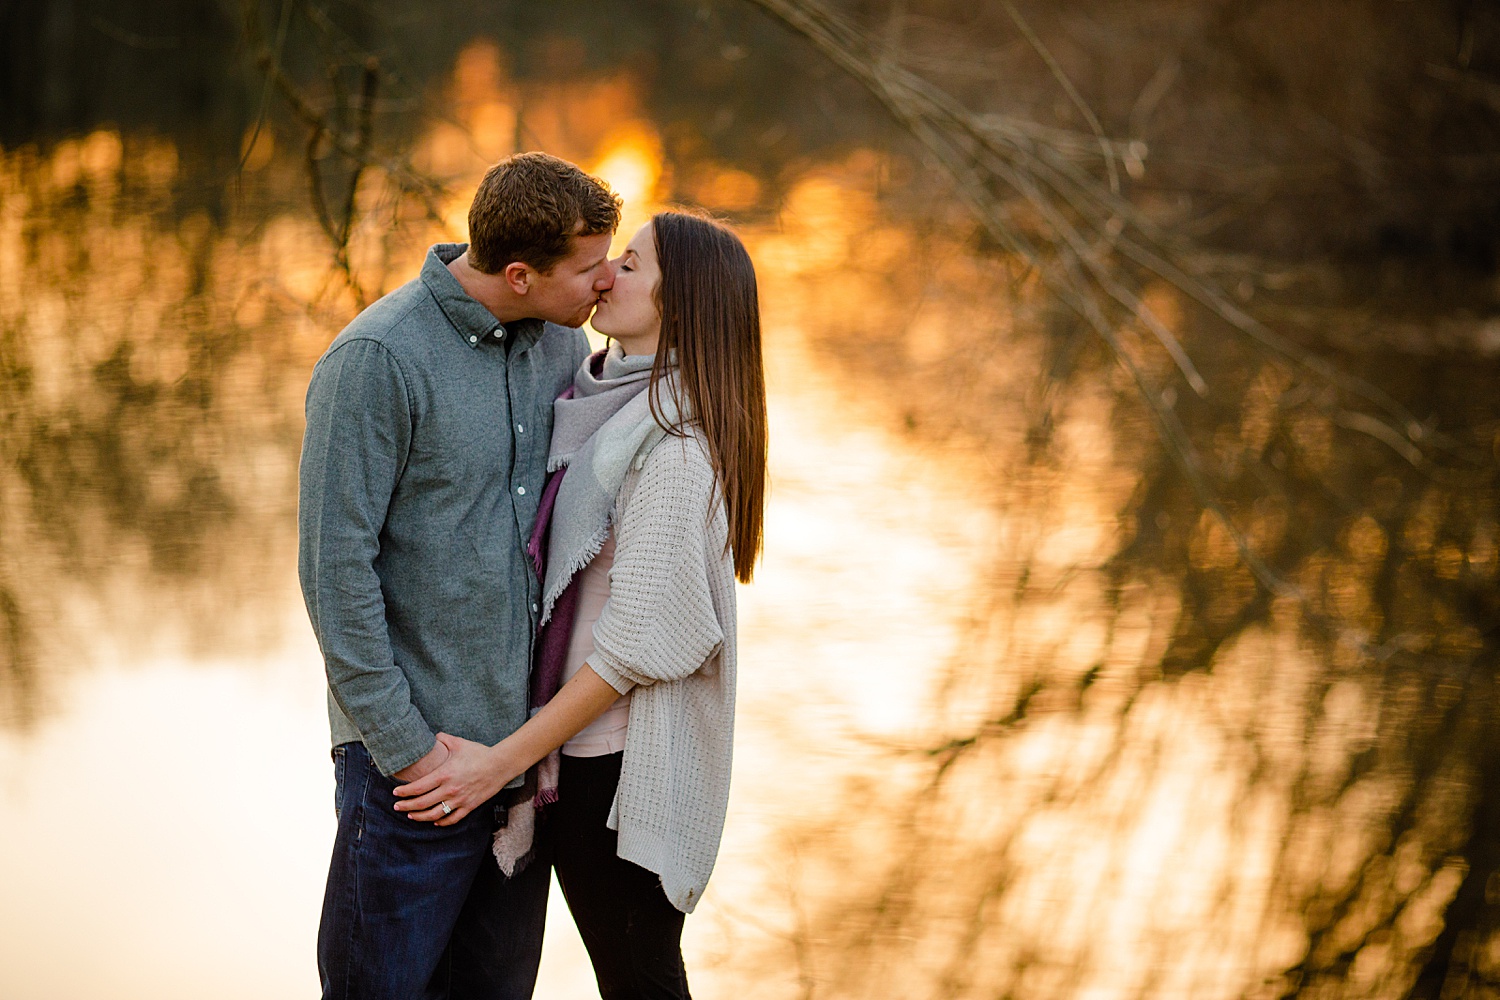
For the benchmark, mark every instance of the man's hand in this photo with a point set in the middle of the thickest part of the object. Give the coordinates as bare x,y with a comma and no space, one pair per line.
470,776
431,762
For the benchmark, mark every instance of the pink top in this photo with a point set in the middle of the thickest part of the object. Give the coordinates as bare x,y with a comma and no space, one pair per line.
605,734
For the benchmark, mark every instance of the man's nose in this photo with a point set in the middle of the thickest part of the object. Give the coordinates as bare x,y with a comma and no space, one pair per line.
606,279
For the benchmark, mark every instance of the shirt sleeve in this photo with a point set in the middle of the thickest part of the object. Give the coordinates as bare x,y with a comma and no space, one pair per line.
358,436
660,623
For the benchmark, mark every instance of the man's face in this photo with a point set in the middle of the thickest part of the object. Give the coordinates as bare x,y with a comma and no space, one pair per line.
566,295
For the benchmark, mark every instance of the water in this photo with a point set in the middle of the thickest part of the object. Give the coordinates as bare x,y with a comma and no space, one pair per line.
1015,717
163,692
170,690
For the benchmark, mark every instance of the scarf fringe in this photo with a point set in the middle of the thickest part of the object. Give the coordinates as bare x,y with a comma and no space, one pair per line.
585,556
513,846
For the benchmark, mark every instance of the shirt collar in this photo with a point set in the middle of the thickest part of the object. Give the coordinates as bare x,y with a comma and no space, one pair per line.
472,322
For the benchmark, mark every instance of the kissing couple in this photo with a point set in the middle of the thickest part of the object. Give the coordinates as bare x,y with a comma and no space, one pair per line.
519,559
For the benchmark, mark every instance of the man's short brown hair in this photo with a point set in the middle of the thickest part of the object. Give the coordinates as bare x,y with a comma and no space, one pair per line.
530,206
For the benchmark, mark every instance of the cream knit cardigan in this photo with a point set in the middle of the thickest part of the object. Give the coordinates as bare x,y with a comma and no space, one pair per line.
668,634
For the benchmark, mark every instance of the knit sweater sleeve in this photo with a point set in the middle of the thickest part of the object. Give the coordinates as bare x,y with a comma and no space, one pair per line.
660,623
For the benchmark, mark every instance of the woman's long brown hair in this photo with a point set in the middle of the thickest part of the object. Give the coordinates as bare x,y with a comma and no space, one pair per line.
710,318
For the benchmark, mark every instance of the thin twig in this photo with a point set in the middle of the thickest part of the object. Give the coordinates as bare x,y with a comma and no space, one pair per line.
265,90
428,191
1061,77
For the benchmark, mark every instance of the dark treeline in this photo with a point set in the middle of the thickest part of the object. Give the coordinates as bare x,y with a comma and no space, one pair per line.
1363,132
187,68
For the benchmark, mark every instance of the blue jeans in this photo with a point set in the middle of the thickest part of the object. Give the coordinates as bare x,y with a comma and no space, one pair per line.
415,911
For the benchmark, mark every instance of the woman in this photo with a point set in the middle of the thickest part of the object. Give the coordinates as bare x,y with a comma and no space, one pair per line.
652,510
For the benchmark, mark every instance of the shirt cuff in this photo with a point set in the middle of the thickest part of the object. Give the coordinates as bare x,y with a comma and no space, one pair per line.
400,744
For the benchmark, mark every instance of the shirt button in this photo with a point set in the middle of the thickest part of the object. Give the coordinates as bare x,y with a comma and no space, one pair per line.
499,333
520,429
534,607
521,490
473,340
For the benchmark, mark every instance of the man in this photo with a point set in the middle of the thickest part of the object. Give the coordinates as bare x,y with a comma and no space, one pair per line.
428,421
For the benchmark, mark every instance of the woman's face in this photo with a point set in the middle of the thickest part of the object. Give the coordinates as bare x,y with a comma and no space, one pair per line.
627,312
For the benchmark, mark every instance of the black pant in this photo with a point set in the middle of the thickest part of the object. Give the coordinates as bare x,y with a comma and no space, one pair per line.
633,933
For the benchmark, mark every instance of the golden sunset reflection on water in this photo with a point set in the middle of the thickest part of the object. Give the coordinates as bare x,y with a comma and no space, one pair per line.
840,554
206,772
166,793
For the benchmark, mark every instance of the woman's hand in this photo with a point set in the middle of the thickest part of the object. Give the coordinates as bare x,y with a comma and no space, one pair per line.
474,772
470,777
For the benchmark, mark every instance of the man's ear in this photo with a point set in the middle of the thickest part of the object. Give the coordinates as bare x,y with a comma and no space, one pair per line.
518,276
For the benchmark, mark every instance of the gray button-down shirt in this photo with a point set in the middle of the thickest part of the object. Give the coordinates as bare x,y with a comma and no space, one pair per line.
426,447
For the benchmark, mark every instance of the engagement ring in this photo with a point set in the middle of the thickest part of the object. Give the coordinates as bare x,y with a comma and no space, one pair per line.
445,807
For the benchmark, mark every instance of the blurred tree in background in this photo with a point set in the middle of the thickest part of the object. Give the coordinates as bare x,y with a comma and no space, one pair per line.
1270,228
